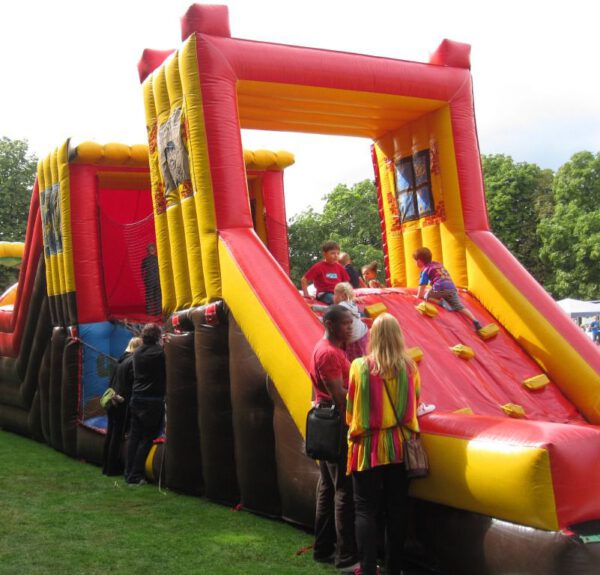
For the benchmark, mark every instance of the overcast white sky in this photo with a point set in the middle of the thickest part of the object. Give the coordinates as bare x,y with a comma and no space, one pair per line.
69,70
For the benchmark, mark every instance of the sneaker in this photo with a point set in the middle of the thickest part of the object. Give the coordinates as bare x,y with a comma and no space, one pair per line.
477,325
424,409
325,559
358,571
137,483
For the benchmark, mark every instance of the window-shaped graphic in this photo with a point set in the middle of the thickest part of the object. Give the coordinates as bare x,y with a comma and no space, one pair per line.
413,186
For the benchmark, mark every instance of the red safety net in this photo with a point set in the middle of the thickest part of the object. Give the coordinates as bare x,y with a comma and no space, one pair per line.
129,259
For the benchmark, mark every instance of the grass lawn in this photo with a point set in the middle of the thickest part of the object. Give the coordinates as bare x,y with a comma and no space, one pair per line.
60,516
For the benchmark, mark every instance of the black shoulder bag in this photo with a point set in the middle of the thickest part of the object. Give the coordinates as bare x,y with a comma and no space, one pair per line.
324,432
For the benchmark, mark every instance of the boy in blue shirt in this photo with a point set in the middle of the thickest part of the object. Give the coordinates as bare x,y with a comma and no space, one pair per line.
595,329
443,291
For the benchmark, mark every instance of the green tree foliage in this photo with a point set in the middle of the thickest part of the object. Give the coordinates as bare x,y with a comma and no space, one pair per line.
571,234
17,175
519,196
350,216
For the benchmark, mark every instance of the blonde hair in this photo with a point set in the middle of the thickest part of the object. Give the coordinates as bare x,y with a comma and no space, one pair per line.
344,289
387,349
344,257
133,344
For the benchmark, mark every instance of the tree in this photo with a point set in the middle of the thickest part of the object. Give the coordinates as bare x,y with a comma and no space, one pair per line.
17,175
571,234
519,196
350,217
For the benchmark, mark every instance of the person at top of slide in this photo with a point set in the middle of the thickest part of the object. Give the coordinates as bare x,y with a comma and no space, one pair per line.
325,274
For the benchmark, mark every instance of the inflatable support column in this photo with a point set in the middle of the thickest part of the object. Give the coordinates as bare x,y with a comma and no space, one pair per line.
183,459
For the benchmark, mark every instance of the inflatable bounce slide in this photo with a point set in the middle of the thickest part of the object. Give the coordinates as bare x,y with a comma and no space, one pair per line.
514,442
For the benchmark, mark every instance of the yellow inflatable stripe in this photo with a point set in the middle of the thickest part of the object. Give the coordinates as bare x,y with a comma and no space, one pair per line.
12,250
535,334
59,255
291,379
200,169
51,260
493,478
112,154
181,275
443,232
452,234
184,190
65,206
259,207
179,257
288,103
163,244
395,246
42,186
267,160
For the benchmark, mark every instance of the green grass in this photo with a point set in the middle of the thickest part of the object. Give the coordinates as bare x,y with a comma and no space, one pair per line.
60,516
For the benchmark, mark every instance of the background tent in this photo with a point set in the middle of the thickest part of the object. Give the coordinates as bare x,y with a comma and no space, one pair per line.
578,308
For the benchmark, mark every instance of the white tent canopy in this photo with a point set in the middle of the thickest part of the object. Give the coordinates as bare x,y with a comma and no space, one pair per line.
579,308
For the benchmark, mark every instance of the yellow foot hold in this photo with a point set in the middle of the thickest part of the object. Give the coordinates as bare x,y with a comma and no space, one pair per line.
513,410
464,411
427,309
463,351
536,382
488,331
375,309
416,353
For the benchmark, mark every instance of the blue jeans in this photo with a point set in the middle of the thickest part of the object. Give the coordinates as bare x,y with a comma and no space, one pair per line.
325,297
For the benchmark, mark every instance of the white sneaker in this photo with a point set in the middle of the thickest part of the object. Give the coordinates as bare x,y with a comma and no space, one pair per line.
424,409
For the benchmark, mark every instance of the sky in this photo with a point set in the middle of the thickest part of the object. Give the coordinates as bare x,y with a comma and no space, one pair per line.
69,69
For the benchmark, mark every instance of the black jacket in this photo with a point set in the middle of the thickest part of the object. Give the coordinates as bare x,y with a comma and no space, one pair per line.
122,380
149,378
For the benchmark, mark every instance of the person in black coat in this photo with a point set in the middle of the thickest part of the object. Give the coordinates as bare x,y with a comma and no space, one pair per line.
147,405
118,410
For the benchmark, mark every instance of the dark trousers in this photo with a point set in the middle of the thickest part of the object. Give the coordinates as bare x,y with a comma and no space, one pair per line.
334,521
326,297
153,298
146,422
112,463
382,489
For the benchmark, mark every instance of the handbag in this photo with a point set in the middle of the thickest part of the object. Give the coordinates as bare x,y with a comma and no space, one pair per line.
415,457
416,462
105,400
324,433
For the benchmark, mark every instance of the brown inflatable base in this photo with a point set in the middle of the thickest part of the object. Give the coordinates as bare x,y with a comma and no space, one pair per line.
457,542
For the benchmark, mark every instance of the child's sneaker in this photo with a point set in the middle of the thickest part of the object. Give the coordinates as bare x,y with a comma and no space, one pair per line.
424,409
358,571
476,325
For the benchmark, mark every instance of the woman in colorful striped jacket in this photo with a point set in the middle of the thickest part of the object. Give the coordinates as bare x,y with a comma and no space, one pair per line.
383,390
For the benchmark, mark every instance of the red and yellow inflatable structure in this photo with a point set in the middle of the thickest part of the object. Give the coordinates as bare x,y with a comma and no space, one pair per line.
420,118
514,441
